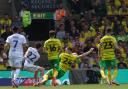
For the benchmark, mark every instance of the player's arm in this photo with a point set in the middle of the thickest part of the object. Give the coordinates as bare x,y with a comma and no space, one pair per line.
86,53
4,55
24,44
25,47
45,47
6,48
26,53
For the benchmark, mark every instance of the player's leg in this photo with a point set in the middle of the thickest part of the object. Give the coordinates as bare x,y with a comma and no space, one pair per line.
55,65
33,68
59,75
41,69
55,74
114,75
46,76
109,77
108,66
13,70
17,65
114,65
102,71
115,72
103,76
37,79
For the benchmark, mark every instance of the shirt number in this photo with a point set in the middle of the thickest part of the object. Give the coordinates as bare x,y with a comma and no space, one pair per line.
52,48
31,56
15,43
108,45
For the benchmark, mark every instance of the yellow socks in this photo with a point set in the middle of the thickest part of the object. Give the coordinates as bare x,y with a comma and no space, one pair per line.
103,73
114,74
109,76
45,78
55,73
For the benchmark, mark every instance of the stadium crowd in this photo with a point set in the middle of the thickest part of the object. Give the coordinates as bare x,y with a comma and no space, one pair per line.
82,28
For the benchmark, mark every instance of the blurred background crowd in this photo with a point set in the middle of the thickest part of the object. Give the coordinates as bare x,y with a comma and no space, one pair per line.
82,24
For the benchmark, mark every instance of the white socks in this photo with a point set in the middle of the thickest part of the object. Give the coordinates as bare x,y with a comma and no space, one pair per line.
16,73
12,73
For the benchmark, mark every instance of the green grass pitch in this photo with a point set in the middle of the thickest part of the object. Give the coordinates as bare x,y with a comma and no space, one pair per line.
85,86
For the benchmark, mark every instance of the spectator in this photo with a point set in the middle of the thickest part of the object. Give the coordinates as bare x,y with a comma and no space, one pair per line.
122,47
2,66
122,64
77,47
6,21
121,36
61,33
74,32
123,10
26,17
83,65
16,22
59,15
7,33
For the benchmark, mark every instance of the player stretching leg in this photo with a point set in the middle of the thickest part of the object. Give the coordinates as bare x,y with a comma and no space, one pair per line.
31,56
66,61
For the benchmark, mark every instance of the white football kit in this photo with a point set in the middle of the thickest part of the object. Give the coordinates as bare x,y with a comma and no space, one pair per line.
31,56
16,42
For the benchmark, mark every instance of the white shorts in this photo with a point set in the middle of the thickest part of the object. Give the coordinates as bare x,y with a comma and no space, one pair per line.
17,62
30,67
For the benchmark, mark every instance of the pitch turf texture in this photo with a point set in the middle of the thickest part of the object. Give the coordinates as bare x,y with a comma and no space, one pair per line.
85,86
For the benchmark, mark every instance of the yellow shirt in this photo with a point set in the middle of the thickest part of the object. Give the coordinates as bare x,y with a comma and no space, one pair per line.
81,39
6,22
117,3
66,61
124,23
126,2
123,53
101,29
53,48
2,67
121,12
107,47
87,35
109,10
2,31
126,29
92,32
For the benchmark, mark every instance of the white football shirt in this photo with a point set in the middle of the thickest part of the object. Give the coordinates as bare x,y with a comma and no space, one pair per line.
16,42
32,55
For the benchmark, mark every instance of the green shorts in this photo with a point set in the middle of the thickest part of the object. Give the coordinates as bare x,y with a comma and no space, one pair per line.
108,63
54,63
60,73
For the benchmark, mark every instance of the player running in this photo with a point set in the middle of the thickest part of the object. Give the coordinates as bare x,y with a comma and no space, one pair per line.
53,47
15,44
31,56
67,59
107,47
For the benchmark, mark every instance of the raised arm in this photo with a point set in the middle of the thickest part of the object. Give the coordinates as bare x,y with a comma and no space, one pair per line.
86,53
